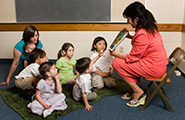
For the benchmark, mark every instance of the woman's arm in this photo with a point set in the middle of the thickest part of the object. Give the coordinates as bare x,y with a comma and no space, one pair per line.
42,47
129,36
13,67
116,54
25,63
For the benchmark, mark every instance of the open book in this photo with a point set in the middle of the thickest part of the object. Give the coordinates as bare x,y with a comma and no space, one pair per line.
119,38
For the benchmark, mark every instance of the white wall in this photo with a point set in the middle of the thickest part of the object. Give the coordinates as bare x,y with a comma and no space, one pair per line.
183,34
165,11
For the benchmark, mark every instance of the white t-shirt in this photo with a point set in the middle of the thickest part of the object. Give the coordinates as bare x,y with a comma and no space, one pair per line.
103,64
30,71
82,85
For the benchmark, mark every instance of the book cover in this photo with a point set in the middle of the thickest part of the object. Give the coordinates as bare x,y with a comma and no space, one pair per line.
119,38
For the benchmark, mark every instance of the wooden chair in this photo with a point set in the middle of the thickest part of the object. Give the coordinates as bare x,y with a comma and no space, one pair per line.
176,56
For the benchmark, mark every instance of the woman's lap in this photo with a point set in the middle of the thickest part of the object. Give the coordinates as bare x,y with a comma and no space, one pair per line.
133,71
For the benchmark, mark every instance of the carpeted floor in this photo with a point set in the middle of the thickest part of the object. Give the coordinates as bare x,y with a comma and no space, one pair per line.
113,107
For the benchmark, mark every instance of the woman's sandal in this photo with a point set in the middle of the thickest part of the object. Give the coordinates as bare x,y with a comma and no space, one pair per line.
127,96
135,103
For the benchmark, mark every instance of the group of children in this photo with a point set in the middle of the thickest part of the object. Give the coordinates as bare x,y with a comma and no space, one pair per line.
46,79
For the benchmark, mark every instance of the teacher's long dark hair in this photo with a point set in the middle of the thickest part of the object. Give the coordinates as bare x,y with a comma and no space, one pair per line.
146,19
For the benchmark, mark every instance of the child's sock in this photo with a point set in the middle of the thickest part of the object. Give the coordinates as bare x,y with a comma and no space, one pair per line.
47,112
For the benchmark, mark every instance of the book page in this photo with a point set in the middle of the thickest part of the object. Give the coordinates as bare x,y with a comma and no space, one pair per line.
119,38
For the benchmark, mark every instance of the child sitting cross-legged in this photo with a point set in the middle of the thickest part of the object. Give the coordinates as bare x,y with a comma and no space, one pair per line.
82,89
49,96
27,79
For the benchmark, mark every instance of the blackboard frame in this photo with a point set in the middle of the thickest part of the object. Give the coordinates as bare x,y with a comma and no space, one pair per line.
63,11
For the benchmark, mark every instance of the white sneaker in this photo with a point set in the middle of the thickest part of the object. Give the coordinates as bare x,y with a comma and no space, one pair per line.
46,112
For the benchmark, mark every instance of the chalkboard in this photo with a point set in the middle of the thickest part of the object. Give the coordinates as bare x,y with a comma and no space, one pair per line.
52,11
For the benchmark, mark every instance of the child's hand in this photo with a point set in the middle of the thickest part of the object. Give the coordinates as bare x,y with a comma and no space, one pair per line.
57,77
105,74
46,106
101,53
88,107
110,73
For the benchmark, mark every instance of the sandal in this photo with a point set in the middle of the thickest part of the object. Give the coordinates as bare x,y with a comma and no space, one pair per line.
127,96
135,103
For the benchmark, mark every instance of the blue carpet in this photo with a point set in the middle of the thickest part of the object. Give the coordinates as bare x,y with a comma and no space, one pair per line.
113,107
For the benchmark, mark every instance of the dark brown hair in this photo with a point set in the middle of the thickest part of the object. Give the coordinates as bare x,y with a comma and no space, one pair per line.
97,39
45,67
145,17
65,47
36,53
82,64
25,46
29,32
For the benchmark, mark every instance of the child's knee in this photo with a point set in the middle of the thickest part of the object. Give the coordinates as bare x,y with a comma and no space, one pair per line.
111,85
110,82
97,82
99,86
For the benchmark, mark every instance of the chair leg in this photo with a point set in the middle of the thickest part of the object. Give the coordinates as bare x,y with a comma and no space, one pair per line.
165,100
149,98
147,88
163,95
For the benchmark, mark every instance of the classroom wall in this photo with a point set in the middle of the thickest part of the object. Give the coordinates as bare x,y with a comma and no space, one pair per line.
183,33
168,11
165,11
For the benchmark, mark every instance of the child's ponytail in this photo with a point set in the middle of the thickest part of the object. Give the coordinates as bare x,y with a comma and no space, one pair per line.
59,55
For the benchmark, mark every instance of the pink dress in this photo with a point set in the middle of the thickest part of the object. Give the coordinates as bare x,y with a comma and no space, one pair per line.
146,59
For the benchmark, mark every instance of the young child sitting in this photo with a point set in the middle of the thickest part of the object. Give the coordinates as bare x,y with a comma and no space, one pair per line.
65,64
82,89
49,96
28,77
102,69
28,47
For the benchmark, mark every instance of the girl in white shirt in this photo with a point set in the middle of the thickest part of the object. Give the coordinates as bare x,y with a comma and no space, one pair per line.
102,69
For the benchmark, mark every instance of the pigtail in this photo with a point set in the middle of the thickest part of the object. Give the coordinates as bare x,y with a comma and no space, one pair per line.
59,55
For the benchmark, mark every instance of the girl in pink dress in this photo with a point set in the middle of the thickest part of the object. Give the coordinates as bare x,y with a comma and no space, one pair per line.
47,100
147,57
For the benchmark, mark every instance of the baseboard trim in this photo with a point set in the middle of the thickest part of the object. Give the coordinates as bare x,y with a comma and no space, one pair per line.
9,60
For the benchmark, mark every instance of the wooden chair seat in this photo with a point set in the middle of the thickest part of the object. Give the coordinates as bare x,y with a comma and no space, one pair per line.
158,79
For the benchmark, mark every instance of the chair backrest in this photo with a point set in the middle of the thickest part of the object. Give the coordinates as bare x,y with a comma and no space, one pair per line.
176,56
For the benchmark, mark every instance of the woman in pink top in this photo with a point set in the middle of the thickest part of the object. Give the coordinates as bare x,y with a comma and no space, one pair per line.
147,57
